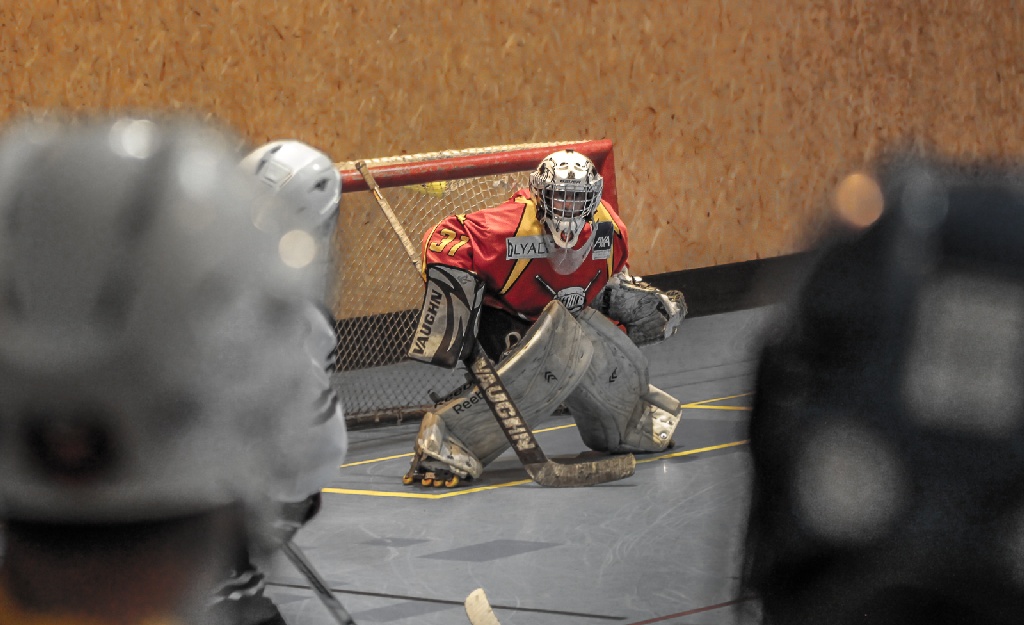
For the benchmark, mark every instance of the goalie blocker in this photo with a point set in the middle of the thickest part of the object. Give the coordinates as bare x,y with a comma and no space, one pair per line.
585,362
450,316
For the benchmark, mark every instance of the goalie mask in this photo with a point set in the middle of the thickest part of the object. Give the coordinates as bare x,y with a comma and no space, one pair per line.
567,189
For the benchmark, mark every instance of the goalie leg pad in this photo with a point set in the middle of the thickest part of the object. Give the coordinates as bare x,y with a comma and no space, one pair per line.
615,407
650,429
539,372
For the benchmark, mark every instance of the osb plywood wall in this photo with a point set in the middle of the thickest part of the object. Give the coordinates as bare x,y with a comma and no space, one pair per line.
732,119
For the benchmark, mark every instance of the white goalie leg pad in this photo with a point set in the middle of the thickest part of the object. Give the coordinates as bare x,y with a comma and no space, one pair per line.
539,372
615,407
650,429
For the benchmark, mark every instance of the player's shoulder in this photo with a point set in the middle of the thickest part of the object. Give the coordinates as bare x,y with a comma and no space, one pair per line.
516,204
606,213
503,217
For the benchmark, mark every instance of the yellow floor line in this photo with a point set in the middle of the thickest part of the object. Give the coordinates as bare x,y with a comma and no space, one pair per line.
693,452
556,427
711,401
478,489
371,461
442,495
693,407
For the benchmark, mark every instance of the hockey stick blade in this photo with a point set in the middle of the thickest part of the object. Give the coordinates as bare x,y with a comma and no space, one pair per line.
558,474
541,469
330,602
478,609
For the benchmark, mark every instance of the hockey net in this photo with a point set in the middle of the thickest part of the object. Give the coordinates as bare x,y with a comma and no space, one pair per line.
378,306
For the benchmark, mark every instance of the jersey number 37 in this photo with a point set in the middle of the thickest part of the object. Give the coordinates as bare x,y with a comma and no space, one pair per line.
447,237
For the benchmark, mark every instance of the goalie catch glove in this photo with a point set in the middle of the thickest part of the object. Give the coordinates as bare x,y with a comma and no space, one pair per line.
649,314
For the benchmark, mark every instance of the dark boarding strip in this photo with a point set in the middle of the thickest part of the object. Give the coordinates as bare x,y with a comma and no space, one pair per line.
662,546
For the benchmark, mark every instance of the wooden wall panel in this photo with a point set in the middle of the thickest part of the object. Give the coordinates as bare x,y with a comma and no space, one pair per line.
732,118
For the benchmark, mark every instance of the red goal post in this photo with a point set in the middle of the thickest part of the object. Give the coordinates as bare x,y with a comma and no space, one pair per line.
377,293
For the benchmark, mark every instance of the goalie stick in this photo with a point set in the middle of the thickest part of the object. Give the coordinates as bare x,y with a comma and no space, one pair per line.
390,214
330,602
541,469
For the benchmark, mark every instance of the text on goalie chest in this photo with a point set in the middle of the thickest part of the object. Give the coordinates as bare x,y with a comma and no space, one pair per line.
518,275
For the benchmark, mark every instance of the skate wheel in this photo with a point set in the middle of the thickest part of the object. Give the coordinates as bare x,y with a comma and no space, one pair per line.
438,482
427,481
453,482
407,479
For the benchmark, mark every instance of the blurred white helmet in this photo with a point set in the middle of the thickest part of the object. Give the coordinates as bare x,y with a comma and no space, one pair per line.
308,186
152,336
567,189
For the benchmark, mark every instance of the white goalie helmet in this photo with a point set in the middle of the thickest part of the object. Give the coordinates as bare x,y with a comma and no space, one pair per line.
304,178
152,335
308,189
567,189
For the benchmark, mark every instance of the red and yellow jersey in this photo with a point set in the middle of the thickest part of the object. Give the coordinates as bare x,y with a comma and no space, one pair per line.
507,247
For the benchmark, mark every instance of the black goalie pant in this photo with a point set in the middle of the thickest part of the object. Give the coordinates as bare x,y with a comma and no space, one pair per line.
499,331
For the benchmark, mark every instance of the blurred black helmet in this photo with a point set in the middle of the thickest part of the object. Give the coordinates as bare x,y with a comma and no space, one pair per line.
888,425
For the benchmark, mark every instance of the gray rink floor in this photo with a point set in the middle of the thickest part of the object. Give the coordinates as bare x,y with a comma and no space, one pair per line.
662,546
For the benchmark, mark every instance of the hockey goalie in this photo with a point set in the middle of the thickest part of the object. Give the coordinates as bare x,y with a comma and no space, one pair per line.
541,283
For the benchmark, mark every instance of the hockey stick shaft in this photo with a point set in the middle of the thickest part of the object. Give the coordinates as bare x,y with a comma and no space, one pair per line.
396,225
515,428
298,559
